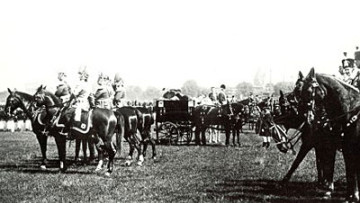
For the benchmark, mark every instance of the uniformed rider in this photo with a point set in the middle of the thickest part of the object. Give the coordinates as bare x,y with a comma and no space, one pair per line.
119,89
222,95
63,89
81,92
104,93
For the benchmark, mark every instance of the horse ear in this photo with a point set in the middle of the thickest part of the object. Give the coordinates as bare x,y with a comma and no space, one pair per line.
312,73
9,90
44,88
301,76
281,93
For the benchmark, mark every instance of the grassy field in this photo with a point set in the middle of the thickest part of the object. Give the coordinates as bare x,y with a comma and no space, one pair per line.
211,173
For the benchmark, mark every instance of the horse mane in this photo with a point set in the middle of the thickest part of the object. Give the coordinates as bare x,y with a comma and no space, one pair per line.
25,96
347,95
52,96
342,82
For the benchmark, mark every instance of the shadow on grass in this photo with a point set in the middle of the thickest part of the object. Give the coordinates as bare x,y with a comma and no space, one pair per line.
273,191
52,166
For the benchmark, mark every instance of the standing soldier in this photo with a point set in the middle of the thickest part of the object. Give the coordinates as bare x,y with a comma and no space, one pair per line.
103,93
81,92
63,89
119,89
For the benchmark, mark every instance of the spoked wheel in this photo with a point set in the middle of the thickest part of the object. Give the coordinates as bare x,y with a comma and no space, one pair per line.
170,132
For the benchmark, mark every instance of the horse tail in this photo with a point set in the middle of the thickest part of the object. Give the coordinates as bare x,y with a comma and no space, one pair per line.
120,130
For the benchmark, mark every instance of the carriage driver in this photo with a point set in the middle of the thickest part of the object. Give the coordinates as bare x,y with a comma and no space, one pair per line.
81,93
221,95
63,89
119,89
103,93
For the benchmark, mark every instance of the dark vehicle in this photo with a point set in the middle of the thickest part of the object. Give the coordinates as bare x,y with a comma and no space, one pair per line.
173,121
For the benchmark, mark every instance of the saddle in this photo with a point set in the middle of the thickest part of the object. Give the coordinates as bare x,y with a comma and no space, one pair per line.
83,126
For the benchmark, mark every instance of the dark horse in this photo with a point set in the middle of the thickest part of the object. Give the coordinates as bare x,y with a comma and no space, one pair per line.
98,124
206,115
138,121
337,102
26,102
292,116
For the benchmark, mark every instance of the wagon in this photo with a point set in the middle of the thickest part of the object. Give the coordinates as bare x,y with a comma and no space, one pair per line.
173,121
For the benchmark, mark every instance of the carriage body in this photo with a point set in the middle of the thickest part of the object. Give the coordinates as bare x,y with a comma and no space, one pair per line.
173,120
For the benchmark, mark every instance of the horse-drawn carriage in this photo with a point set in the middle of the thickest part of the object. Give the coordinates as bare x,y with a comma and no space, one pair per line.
173,121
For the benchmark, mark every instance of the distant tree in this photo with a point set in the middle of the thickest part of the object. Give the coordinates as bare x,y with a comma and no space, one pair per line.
151,93
283,86
244,89
133,93
190,88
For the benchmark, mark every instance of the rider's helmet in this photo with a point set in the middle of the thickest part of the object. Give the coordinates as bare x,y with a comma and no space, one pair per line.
83,73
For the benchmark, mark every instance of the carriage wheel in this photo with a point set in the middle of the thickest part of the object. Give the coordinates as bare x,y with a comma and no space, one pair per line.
170,132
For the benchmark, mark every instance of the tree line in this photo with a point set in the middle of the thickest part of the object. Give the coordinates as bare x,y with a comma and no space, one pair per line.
192,89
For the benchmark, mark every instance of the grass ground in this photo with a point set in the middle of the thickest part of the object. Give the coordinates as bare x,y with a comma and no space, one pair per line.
212,173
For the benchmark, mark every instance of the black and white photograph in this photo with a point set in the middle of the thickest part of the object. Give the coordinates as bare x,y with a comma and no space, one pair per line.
179,101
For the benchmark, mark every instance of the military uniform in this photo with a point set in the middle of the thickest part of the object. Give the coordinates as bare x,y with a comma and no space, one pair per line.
63,89
82,92
103,93
119,89
222,97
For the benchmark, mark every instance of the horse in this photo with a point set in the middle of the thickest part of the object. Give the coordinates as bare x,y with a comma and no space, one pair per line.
25,102
101,125
334,105
138,121
206,115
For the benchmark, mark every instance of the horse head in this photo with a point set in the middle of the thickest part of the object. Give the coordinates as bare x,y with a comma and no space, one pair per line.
43,97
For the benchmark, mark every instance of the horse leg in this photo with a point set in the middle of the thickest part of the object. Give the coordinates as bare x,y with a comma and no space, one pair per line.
42,139
238,136
153,146
91,150
84,148
350,165
304,149
111,150
77,149
227,135
60,141
203,137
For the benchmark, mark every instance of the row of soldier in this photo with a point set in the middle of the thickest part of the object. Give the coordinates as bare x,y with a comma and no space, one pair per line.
106,95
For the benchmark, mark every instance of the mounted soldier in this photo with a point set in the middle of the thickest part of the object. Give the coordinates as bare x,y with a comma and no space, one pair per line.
63,89
103,94
222,95
119,89
81,92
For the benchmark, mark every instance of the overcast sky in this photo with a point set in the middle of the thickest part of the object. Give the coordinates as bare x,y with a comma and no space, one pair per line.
165,43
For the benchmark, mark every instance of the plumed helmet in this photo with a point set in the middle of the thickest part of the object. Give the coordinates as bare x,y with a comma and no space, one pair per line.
83,72
348,63
61,74
223,86
117,78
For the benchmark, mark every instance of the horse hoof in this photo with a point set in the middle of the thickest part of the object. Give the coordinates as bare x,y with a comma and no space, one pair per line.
98,169
139,163
326,195
107,174
154,158
43,167
127,163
